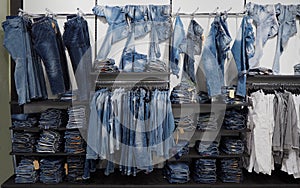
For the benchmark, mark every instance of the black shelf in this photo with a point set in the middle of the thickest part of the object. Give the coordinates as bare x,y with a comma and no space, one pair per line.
37,129
225,131
132,76
46,154
273,79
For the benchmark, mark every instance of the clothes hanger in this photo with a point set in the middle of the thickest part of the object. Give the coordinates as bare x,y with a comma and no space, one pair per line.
193,14
50,13
80,13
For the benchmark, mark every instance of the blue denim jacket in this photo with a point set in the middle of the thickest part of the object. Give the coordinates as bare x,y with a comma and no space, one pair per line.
242,50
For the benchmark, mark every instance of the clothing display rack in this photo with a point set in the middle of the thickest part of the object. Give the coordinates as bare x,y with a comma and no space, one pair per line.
151,81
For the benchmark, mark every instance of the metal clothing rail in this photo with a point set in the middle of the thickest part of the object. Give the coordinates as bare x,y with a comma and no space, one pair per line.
207,14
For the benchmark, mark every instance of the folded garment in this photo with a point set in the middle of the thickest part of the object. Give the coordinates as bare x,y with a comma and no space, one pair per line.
207,148
105,66
177,172
260,71
204,171
233,146
230,171
25,172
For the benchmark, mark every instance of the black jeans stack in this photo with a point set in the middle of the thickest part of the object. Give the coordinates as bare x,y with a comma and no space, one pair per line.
74,143
24,142
25,172
235,120
75,168
49,142
52,170
230,171
232,146
53,119
177,172
77,117
207,121
207,148
204,171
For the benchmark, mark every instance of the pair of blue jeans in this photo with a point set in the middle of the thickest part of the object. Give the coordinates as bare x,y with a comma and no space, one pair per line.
53,118
230,171
74,142
28,74
49,142
178,172
24,142
25,172
204,171
232,146
52,170
48,43
215,53
77,40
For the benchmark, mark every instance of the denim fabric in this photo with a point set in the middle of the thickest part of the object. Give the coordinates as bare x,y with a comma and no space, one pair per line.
156,66
118,28
24,121
260,71
214,54
25,172
105,66
77,117
193,47
75,168
24,142
207,121
177,172
181,148
77,40
264,17
74,143
207,148
232,146
235,120
185,92
242,50
53,118
51,170
29,78
47,42
203,97
204,171
286,17
89,166
49,142
230,171
178,45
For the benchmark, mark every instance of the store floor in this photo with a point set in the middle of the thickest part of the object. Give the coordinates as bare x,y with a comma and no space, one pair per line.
155,180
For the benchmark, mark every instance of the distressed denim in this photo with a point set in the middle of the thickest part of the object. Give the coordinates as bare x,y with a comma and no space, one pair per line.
242,50
178,45
264,17
214,55
286,16
77,40
193,47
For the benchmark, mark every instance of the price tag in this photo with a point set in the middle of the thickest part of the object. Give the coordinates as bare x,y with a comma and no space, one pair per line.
181,130
66,168
36,165
231,93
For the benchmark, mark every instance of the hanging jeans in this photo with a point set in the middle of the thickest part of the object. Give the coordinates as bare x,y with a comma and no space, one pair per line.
214,55
267,27
286,16
242,50
194,47
77,40
47,41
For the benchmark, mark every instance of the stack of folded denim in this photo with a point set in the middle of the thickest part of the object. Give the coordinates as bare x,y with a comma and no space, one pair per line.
74,143
203,97
23,121
178,172
260,71
53,119
75,168
23,142
230,171
77,117
49,142
207,121
234,120
156,66
185,123
25,172
205,171
232,146
207,148
185,92
181,148
107,66
52,170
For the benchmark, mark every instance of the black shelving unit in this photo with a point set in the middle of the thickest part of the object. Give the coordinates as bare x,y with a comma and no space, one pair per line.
46,154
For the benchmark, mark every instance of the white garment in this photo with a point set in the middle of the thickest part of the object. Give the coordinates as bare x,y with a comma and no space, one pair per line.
291,165
261,118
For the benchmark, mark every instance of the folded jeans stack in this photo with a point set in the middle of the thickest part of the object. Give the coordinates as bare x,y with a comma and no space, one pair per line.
156,66
105,66
203,97
77,117
185,92
207,148
205,171
49,142
178,172
232,146
23,142
260,71
74,143
25,172
181,148
23,121
207,121
234,120
52,170
185,127
53,118
230,171
75,168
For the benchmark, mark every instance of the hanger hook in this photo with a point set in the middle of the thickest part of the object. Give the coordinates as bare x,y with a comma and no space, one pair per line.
195,11
177,11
